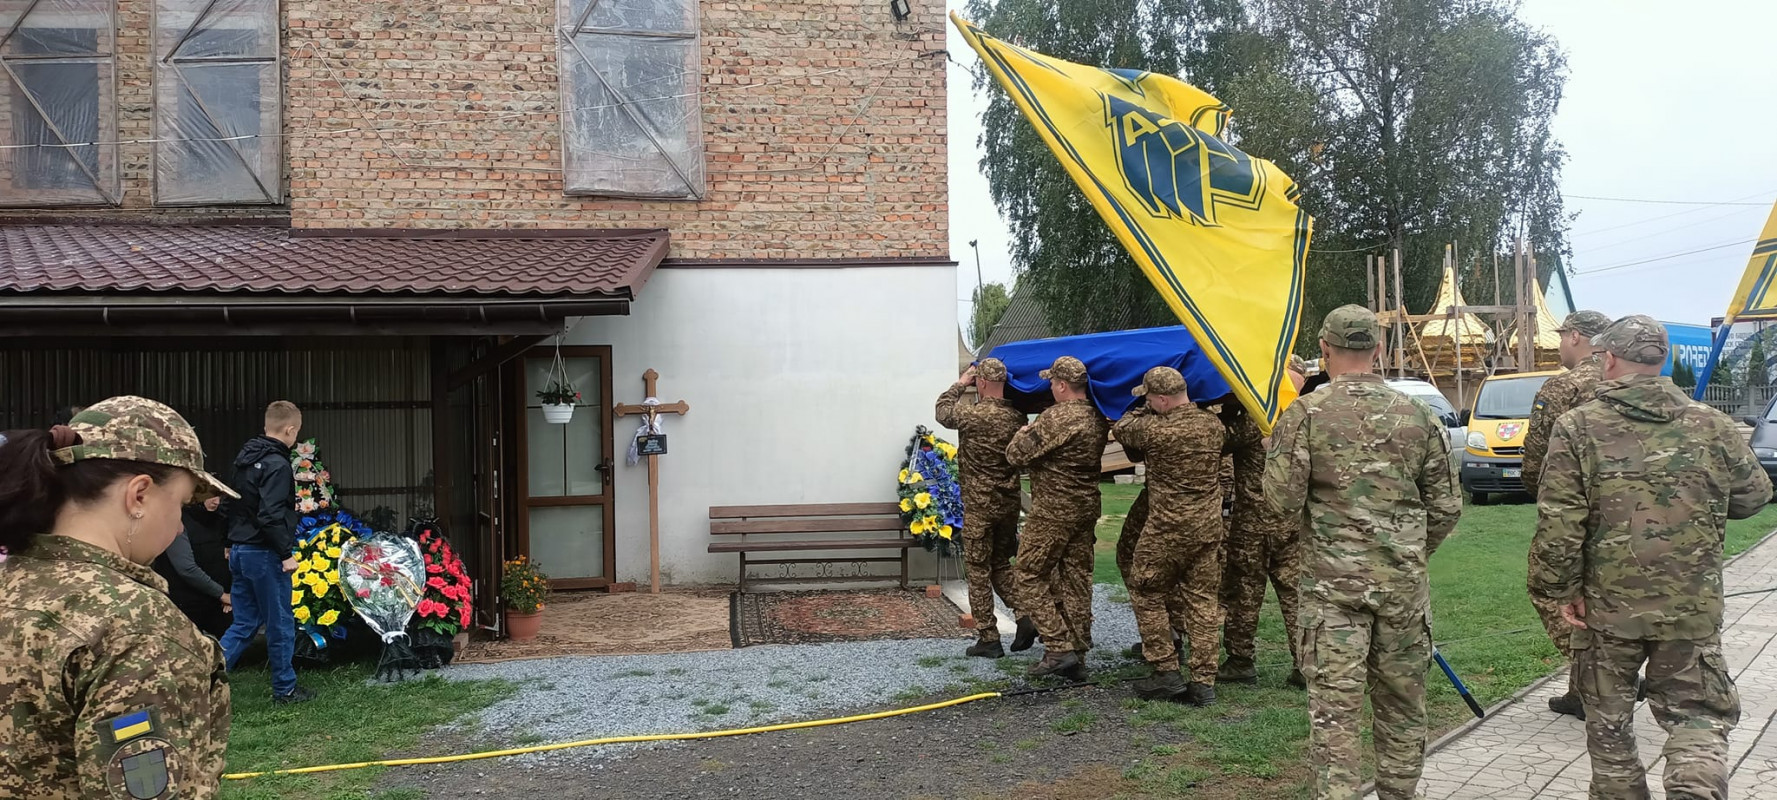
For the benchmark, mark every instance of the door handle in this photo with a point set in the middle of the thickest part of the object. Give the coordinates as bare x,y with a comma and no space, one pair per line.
605,468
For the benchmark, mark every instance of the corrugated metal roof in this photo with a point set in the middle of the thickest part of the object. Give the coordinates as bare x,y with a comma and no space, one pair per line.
264,259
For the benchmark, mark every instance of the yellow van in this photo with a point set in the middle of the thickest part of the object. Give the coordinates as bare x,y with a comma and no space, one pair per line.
1493,461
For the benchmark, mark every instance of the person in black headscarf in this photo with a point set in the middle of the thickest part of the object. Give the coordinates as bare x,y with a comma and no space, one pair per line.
197,571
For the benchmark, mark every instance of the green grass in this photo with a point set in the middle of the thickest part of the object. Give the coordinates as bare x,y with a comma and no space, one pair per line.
351,720
1075,722
930,662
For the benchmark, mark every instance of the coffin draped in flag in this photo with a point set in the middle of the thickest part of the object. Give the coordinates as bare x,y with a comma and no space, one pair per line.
1218,232
1756,299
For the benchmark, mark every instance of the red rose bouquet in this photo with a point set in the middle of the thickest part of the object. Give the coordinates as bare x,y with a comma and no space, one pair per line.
446,609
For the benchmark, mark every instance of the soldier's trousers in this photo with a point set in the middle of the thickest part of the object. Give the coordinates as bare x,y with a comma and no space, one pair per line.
1127,541
1383,641
1054,570
1559,633
990,539
1274,555
1171,570
1244,471
1693,699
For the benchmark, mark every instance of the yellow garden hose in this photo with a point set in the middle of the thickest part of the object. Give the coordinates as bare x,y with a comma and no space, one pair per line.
662,737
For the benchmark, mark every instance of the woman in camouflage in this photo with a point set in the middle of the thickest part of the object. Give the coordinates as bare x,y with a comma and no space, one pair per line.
109,690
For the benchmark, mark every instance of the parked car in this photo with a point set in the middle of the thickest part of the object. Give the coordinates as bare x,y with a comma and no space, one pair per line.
1413,387
1764,438
1493,455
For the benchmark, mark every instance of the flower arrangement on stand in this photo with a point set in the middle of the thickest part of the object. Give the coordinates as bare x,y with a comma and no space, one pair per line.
931,497
525,590
316,596
314,484
446,608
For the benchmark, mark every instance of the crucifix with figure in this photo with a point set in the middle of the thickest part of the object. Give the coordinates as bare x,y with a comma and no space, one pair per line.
650,410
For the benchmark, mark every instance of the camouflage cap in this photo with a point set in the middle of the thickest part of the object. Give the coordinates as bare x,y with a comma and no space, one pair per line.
139,429
1585,323
1637,337
991,369
1351,327
1066,369
1164,381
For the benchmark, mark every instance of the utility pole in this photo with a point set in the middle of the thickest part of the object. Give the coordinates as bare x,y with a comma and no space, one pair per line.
975,244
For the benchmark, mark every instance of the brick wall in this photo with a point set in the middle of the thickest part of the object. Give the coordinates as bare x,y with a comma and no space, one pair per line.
823,124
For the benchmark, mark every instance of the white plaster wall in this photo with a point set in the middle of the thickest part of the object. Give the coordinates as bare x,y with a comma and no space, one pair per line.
804,386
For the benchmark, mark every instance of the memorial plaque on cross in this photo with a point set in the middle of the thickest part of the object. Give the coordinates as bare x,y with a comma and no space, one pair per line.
650,410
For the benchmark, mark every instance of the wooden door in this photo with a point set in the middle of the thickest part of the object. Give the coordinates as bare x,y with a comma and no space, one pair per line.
566,520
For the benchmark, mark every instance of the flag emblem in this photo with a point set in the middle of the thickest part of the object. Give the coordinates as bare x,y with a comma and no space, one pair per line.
1509,430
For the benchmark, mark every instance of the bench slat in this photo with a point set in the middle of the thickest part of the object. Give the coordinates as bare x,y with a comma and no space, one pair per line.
791,546
804,510
807,525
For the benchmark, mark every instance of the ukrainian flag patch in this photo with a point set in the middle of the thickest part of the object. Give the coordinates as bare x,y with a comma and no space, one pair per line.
129,726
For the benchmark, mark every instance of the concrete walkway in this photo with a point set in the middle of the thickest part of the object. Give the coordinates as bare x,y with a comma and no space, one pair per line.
1524,751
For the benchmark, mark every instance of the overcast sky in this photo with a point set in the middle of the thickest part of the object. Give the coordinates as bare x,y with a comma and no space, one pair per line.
1664,102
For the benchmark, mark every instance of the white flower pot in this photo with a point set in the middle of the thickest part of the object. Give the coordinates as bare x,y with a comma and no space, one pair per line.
558,413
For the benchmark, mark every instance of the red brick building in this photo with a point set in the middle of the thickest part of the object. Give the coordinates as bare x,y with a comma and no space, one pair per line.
391,212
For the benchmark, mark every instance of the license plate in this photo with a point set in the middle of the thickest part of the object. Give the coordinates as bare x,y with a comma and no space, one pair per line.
1511,473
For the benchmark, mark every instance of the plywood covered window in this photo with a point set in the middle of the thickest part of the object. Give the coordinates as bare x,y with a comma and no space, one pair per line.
632,124
58,103
218,111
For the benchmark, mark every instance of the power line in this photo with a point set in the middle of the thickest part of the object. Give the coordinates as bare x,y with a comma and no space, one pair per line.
1645,220
1661,202
1609,267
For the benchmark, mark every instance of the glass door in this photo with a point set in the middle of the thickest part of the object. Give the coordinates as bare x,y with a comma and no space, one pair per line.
566,520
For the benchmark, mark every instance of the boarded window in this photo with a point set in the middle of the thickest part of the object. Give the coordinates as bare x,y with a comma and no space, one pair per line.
58,103
217,104
632,124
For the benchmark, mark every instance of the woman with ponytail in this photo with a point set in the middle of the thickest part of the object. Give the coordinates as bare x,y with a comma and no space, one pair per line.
110,691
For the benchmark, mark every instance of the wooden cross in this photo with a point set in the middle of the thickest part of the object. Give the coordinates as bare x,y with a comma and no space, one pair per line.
651,413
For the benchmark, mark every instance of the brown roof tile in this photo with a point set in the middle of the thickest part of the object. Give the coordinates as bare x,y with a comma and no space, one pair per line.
113,258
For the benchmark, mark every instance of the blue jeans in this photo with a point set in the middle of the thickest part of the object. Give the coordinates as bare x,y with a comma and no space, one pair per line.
261,595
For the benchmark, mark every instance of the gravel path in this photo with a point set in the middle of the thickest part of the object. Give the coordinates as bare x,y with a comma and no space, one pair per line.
568,699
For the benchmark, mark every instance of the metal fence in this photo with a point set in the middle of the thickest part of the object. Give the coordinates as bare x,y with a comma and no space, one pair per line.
1740,401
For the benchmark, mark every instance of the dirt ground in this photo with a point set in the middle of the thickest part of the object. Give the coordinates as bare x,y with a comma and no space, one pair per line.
1069,745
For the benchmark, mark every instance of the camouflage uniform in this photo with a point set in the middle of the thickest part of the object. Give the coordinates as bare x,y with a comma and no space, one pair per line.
1367,471
109,691
1636,493
1175,564
990,495
1261,545
1063,449
1557,396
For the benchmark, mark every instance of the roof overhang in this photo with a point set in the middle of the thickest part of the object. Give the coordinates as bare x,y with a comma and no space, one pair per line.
144,280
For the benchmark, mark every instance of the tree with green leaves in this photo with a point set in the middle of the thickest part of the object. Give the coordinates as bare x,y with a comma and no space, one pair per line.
1683,375
1408,123
1757,373
990,303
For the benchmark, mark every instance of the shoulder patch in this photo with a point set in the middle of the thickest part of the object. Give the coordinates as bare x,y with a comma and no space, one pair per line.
1539,404
143,769
124,727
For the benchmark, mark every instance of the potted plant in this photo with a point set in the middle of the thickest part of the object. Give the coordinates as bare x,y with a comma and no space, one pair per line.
558,401
524,590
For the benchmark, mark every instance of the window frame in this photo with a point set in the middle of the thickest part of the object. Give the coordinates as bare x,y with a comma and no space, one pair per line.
168,75
104,181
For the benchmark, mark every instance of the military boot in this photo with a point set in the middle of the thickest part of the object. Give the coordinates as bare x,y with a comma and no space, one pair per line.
1237,670
1160,686
1026,635
1297,679
1199,694
1054,662
1134,651
1568,704
985,649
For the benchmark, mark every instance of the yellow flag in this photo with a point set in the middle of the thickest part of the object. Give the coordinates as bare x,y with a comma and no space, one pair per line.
1755,298
1217,231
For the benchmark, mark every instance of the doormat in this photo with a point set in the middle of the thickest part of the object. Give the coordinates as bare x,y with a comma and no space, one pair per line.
599,624
841,616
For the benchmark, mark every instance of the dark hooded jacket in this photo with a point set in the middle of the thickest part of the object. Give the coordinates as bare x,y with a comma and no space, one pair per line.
266,513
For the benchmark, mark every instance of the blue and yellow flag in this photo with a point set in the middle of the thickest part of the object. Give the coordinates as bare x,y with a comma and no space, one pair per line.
1756,298
1217,231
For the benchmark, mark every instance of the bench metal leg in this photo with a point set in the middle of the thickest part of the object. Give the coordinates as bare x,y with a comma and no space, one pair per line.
743,572
904,552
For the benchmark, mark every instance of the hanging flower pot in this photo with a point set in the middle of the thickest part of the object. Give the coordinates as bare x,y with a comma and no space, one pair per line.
558,413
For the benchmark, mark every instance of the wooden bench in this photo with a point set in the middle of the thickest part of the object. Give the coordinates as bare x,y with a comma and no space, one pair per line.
812,527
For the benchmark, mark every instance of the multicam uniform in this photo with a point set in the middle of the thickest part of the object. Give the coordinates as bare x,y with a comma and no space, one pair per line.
1261,545
990,499
1367,469
1637,487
